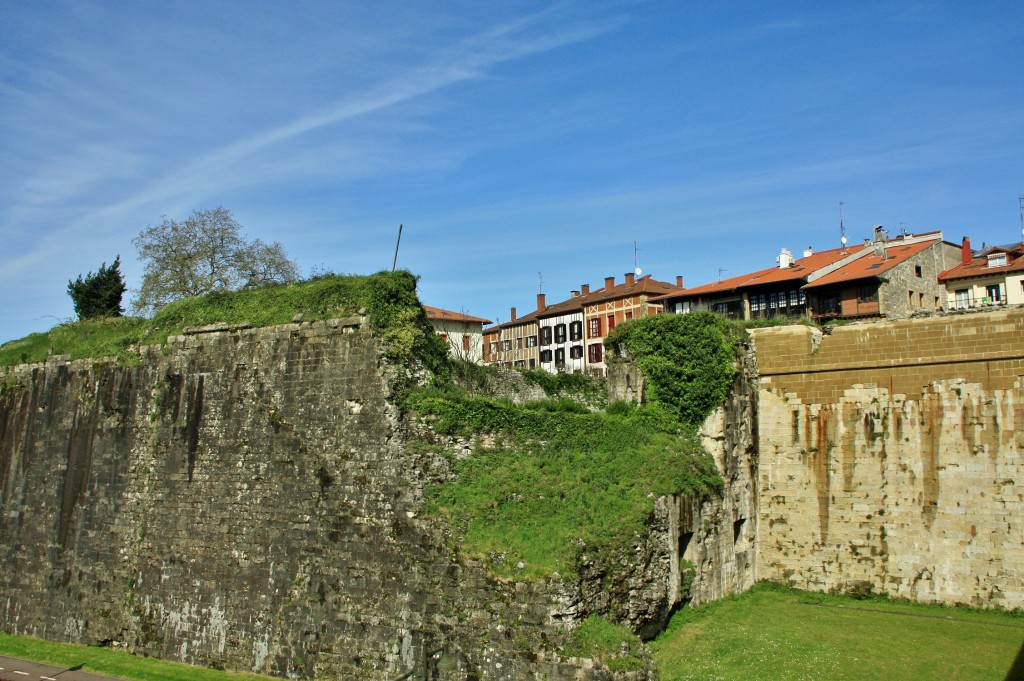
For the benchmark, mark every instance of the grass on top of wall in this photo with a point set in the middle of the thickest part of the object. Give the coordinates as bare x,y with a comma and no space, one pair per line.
388,297
117,663
549,480
772,632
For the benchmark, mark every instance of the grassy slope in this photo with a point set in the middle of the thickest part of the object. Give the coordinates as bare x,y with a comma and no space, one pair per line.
778,634
112,662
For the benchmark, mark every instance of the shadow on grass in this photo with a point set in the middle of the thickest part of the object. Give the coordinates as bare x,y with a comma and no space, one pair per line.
1016,672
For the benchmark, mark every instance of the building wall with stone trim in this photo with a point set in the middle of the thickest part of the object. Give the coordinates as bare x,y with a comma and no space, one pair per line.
891,455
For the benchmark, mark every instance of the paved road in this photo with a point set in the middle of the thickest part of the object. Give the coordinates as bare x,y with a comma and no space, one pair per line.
13,669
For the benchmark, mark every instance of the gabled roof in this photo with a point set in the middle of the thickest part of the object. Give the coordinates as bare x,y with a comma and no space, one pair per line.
437,314
873,264
645,284
978,266
794,275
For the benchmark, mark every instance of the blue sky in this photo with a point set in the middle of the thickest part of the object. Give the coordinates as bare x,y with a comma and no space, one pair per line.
517,142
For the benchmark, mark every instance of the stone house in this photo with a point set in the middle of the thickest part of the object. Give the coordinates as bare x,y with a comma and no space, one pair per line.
880,278
994,276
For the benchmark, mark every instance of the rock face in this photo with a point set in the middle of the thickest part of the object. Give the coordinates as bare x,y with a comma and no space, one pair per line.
698,550
247,499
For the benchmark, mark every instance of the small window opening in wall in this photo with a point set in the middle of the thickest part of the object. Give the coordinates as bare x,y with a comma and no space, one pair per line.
629,381
917,270
737,530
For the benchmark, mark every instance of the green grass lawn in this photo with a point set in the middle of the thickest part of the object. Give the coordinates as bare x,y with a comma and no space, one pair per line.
775,633
112,662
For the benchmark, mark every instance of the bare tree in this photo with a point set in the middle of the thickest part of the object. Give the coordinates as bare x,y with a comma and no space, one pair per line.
205,253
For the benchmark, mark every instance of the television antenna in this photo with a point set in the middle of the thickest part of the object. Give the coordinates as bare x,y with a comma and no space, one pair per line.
842,230
540,283
636,267
1021,200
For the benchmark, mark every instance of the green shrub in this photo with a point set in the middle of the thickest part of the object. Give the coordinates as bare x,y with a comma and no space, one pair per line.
688,360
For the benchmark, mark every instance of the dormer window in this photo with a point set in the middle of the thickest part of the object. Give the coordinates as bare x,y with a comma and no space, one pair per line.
997,260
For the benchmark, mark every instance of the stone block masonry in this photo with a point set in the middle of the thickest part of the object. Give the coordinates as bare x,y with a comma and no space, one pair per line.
891,456
245,499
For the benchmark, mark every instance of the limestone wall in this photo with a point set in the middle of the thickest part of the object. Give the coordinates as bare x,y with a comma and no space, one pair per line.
246,499
891,456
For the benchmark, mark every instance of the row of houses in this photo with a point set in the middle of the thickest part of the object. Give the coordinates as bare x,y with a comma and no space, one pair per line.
881,277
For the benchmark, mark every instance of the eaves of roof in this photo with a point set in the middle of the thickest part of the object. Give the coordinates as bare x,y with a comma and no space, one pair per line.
978,267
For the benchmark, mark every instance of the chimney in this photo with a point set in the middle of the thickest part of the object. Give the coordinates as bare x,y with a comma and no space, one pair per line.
574,294
785,259
541,305
679,280
512,317
586,289
630,278
609,282
808,252
966,254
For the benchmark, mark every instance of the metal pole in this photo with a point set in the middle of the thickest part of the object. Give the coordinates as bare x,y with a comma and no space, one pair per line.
397,244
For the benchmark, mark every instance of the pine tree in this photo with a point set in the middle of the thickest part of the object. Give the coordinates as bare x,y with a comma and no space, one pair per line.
99,294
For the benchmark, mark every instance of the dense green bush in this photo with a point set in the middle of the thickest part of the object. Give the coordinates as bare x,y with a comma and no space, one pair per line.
688,360
99,294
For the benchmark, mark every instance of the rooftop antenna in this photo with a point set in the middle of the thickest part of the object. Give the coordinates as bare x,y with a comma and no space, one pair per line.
720,270
1021,200
397,244
636,267
842,230
540,283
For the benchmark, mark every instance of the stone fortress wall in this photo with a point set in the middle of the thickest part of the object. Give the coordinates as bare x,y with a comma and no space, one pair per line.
247,499
891,458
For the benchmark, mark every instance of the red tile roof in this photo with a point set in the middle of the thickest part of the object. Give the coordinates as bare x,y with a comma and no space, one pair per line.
873,265
978,267
436,314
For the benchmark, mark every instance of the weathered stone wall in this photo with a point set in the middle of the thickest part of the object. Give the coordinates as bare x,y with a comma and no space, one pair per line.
246,499
891,456
704,549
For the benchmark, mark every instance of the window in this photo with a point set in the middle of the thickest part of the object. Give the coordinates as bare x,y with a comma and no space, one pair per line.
867,294
560,357
611,322
994,293
963,299
494,348
575,331
683,307
545,335
533,363
466,342
545,356
594,352
757,303
997,260
506,345
531,341
560,333
594,328
576,352
629,315
794,298
519,364
519,343
917,270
